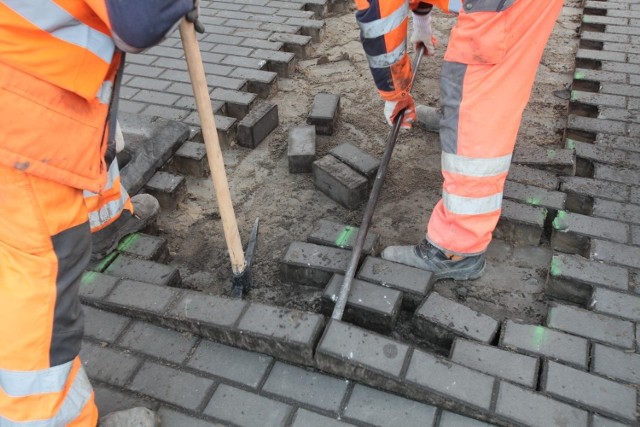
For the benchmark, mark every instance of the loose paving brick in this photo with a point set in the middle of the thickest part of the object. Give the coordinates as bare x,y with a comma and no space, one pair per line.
261,82
535,196
615,364
324,113
304,386
169,189
108,365
171,385
615,253
257,124
298,44
144,246
572,232
359,160
282,63
95,285
237,103
507,365
581,192
169,417
414,283
532,176
520,224
450,380
595,326
144,271
301,150
616,304
555,160
158,342
230,363
312,265
191,159
240,407
532,409
623,212
304,418
440,320
573,278
378,408
540,341
329,233
589,391
287,334
368,305
103,325
339,182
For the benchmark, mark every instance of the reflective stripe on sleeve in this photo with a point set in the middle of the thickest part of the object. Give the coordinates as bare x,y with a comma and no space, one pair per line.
385,25
461,205
479,167
455,6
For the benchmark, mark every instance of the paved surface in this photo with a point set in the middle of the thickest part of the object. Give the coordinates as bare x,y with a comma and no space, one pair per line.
220,362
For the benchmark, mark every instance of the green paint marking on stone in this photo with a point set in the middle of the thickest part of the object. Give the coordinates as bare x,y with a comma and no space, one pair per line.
574,95
579,75
345,235
533,201
551,153
88,277
555,269
128,241
585,18
106,261
538,337
571,144
558,222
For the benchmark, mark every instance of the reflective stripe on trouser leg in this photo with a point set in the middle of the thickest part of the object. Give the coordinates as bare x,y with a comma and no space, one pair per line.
483,97
106,207
44,248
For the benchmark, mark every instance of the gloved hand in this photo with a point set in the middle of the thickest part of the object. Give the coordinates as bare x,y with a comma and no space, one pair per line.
423,34
193,16
393,108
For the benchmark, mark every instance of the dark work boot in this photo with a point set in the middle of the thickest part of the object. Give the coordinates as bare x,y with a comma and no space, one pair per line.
427,257
146,209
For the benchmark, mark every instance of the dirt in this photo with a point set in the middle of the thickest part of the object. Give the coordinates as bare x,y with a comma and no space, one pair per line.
288,205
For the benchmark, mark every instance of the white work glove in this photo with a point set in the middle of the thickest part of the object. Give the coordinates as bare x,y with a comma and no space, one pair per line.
423,34
393,108
119,138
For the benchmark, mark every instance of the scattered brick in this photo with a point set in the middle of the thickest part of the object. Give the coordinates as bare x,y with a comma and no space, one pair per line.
257,125
324,113
615,364
572,232
560,161
108,365
615,253
535,196
158,342
339,182
359,160
191,159
532,176
144,246
144,271
103,325
301,150
520,224
616,304
329,233
312,265
169,189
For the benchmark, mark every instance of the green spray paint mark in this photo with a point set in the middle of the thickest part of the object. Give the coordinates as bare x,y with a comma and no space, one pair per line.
128,241
555,269
533,201
106,261
558,222
344,236
571,144
585,18
574,95
579,75
538,337
88,277
551,154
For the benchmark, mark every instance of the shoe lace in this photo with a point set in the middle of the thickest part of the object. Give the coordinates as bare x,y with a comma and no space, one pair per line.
426,250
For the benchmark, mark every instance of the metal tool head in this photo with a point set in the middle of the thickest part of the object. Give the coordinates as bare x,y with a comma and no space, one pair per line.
241,282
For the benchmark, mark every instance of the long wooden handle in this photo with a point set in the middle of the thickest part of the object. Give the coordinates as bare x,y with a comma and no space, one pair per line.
212,144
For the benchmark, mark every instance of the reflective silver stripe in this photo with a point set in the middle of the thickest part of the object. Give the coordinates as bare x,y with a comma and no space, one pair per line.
387,59
470,166
26,383
113,208
112,173
50,17
76,399
385,25
104,93
455,6
461,205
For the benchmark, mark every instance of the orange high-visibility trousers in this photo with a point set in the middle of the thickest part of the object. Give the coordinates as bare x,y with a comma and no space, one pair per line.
44,248
486,80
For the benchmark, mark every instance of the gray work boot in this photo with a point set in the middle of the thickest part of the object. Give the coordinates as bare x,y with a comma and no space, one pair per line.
427,257
429,117
145,207
134,417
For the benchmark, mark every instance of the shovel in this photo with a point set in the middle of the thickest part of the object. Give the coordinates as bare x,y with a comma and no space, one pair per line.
240,264
338,310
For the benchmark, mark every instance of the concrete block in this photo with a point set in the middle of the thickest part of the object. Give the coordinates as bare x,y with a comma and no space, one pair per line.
414,283
95,285
191,159
144,271
520,224
312,265
595,326
324,113
143,299
532,176
282,63
560,161
440,320
144,246
103,325
158,342
301,150
593,125
615,253
109,365
261,82
615,364
598,75
237,103
257,125
449,380
526,407
289,335
359,160
169,189
329,233
572,232
507,365
589,391
535,196
310,27
298,44
339,182
581,192
368,305
616,304
304,418
573,278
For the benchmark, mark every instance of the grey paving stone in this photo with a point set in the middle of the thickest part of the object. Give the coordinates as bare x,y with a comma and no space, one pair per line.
618,142
626,175
616,253
110,399
450,419
414,283
304,418
450,380
616,364
555,160
357,159
572,232
171,385
289,335
533,409
611,156
545,342
191,159
339,182
581,192
238,104
535,196
298,44
282,63
532,176
592,125
598,99
599,421
246,409
440,320
168,188
257,124
108,365
624,212
312,265
589,391
132,295
95,285
261,82
330,233
616,304
601,55
171,418
103,325
301,151
599,75
144,246
591,325
233,364
520,224
158,342
507,365
324,113
304,386
381,409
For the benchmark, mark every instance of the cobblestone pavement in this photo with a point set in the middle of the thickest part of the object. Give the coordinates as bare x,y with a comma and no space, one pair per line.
203,360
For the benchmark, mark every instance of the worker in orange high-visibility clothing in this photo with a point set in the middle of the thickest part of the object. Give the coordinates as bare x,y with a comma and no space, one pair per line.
485,83
58,61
